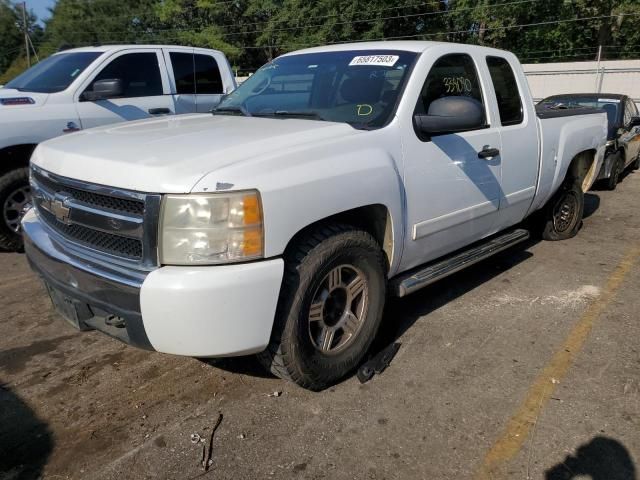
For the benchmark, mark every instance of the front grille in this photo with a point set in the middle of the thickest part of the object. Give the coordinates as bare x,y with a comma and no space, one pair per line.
106,242
117,222
116,204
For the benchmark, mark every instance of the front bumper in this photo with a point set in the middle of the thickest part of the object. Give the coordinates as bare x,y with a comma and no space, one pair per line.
195,311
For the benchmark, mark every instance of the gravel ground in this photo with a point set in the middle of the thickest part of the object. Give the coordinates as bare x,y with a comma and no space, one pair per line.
81,405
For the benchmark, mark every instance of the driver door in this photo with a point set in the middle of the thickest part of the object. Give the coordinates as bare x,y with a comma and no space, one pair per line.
146,90
630,138
453,195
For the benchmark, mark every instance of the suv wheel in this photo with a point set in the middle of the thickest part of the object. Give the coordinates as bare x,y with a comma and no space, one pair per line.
330,306
15,193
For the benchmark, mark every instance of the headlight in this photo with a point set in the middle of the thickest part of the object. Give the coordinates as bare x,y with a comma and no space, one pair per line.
201,229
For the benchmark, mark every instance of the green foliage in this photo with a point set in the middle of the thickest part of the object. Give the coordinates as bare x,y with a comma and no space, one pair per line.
12,45
252,32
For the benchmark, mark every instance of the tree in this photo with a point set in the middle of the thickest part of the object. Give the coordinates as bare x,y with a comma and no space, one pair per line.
12,53
76,23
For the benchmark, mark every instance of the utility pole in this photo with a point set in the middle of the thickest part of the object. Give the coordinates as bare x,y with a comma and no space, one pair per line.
26,32
598,73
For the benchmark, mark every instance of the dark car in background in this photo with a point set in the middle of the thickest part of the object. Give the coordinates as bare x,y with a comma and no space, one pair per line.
623,137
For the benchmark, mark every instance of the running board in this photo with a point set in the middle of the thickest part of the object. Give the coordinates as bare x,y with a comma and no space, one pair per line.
418,278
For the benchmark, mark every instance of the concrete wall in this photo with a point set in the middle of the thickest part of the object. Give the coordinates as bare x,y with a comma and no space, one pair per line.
613,76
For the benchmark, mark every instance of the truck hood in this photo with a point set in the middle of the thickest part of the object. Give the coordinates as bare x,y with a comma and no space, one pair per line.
170,155
33,99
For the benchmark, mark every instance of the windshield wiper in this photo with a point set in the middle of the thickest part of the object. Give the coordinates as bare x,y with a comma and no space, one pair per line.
238,109
296,113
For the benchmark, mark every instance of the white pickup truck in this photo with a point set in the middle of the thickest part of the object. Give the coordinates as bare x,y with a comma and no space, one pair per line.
89,87
278,225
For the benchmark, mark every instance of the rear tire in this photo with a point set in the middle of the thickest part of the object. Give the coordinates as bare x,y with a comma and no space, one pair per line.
636,164
330,306
561,217
14,195
616,171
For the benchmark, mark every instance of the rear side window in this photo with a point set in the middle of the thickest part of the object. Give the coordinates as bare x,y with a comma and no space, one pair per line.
139,72
208,80
507,93
451,76
182,64
196,74
630,111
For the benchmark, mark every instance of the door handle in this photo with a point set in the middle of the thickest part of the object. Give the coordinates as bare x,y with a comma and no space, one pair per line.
159,111
488,152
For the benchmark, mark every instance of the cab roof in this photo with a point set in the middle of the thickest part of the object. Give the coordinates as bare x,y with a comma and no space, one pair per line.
417,46
114,48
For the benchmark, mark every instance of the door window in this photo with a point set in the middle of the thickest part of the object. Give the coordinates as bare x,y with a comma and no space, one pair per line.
208,80
196,74
630,111
182,64
453,75
139,72
507,93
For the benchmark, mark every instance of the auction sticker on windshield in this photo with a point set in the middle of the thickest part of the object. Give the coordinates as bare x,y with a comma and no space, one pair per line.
380,60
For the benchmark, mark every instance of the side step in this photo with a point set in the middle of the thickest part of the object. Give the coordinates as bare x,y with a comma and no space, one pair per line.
416,279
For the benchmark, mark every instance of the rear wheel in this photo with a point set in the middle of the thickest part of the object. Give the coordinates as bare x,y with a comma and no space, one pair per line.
636,164
561,218
330,307
616,171
15,193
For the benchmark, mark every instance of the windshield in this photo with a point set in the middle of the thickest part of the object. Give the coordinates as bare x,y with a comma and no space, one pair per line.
54,74
356,87
609,105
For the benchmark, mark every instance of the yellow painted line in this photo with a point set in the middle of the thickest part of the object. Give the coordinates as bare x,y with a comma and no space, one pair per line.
524,420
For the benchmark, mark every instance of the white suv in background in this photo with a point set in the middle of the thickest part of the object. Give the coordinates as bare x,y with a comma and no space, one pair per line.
89,87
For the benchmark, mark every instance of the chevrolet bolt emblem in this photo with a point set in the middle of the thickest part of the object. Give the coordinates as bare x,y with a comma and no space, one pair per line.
61,211
57,207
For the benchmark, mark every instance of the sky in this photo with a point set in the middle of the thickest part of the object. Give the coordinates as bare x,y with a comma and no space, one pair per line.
39,7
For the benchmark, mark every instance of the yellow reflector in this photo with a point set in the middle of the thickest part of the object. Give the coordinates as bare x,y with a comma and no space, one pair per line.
252,214
252,242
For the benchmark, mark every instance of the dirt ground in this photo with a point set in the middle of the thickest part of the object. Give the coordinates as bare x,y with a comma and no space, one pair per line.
525,366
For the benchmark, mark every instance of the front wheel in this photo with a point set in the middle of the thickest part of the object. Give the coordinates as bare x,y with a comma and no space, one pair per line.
330,306
561,218
15,193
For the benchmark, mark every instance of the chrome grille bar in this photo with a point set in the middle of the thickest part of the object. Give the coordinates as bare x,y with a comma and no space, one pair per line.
119,223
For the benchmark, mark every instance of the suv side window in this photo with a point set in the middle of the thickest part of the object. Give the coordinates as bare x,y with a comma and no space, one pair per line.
452,75
139,72
182,64
208,80
506,88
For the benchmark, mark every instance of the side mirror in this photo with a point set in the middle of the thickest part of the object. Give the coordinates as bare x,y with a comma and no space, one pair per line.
104,89
451,115
635,121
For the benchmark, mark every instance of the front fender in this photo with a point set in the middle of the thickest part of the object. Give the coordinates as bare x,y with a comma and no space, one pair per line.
318,181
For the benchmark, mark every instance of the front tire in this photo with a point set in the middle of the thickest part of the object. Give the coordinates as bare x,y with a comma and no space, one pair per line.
561,218
15,193
330,306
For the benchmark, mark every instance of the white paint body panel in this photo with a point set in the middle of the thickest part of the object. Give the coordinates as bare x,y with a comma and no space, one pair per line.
51,113
211,312
439,195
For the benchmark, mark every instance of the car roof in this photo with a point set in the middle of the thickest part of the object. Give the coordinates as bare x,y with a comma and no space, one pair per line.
417,46
617,96
114,48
